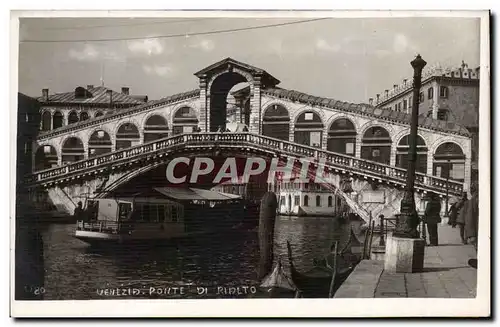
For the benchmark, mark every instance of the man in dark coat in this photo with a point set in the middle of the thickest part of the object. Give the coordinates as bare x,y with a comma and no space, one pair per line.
432,218
460,218
470,213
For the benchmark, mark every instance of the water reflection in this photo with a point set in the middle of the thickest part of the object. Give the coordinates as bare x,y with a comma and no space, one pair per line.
76,271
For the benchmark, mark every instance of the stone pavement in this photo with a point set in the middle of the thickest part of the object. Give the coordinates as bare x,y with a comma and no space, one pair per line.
446,274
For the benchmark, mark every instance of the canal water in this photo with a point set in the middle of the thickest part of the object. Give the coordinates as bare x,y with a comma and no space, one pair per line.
221,266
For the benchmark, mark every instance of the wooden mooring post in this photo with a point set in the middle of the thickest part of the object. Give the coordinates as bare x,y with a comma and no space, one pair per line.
267,220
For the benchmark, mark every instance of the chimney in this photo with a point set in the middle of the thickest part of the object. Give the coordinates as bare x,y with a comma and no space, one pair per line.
110,93
395,86
378,98
90,87
371,101
386,93
45,94
125,90
404,81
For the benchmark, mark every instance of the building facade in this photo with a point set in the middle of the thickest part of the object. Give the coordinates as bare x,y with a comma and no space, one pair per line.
447,95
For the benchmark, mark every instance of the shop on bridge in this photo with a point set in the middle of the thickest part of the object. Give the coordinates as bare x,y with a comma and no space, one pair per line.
45,157
184,121
127,136
99,143
376,145
72,150
309,129
342,137
402,154
276,122
155,128
449,162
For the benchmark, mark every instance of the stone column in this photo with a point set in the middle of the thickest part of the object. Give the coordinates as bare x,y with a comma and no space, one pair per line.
392,159
255,102
204,116
358,146
430,162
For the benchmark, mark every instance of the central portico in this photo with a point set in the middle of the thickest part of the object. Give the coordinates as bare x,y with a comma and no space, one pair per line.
217,80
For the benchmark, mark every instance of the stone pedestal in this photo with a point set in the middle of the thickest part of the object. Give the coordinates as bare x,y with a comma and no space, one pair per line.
404,255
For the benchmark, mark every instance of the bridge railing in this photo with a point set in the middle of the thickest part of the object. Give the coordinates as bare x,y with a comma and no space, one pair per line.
332,159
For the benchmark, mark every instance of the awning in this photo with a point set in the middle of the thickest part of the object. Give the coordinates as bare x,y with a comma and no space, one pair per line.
178,193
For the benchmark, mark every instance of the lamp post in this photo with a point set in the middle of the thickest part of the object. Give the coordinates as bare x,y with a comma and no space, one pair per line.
408,220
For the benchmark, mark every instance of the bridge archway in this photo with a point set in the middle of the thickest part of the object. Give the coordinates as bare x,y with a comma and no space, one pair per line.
309,129
99,143
57,120
155,128
127,136
376,145
276,122
45,157
184,121
73,118
46,121
219,91
72,150
342,137
449,161
84,116
402,154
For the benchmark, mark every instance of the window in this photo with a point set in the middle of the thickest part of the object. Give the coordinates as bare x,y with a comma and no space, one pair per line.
330,201
306,186
306,200
27,147
282,200
430,92
399,106
318,201
410,101
405,104
443,92
442,114
296,200
421,97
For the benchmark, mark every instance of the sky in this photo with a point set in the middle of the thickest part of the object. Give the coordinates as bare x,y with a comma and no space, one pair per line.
348,59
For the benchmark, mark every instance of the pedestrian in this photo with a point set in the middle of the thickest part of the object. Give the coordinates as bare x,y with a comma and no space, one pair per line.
432,218
78,214
471,218
460,219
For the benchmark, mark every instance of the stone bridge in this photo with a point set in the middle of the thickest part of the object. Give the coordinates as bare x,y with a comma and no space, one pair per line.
367,143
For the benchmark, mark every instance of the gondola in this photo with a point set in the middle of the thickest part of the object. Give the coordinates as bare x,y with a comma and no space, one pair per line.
317,282
278,285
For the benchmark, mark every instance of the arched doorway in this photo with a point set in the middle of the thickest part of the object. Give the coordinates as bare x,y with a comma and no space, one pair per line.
219,91
402,154
45,157
72,118
72,150
84,116
376,145
184,121
46,121
342,137
449,161
57,120
155,128
276,122
99,143
309,129
127,136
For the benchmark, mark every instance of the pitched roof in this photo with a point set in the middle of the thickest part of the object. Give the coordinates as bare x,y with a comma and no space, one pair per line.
367,110
96,95
230,61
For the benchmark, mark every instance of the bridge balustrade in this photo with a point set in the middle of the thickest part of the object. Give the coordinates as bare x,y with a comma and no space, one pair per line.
335,160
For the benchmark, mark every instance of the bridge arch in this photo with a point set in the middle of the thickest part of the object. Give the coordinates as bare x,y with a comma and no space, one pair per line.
276,121
155,127
84,116
57,120
46,122
376,144
342,136
73,117
219,86
184,120
402,153
127,135
99,142
45,157
309,128
72,149
449,161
